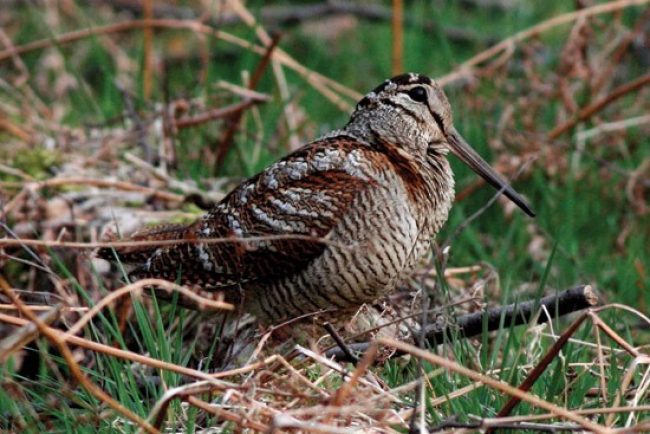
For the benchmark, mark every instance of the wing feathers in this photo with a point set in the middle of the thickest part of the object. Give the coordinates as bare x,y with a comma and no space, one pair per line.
304,194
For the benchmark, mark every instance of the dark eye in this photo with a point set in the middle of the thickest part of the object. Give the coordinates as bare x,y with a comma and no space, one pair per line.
418,94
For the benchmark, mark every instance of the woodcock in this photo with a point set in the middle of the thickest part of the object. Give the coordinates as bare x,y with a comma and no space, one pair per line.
333,225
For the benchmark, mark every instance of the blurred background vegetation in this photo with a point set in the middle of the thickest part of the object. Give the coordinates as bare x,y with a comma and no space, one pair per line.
563,112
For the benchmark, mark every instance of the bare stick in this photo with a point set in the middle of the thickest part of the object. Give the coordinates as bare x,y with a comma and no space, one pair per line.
288,15
233,121
222,112
571,300
120,185
470,325
341,344
22,242
147,71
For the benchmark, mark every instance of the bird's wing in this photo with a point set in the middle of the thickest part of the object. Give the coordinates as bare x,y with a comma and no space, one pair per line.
286,212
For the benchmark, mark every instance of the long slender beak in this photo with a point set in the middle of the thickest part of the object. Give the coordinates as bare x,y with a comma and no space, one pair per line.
464,151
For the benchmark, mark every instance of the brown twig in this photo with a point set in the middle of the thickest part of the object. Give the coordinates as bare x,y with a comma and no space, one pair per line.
240,420
120,185
368,359
492,424
16,130
210,115
329,88
583,412
119,353
147,70
591,109
233,121
341,344
610,65
583,114
21,242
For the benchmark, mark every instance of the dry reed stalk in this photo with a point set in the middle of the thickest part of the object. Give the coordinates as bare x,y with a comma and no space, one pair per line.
21,242
147,71
397,26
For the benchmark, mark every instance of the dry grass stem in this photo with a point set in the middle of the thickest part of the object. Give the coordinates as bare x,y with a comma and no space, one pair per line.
202,302
122,354
74,367
503,387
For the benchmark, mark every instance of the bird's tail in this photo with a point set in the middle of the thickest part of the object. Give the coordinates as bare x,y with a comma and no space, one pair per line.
144,243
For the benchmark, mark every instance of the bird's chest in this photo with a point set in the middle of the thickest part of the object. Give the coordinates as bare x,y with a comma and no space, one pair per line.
400,226
429,208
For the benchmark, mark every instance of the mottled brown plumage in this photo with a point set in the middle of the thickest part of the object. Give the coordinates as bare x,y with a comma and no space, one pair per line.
361,203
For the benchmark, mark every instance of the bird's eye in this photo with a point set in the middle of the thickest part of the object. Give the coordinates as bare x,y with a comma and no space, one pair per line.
418,94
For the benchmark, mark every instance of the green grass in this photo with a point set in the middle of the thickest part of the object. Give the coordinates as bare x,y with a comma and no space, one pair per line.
581,211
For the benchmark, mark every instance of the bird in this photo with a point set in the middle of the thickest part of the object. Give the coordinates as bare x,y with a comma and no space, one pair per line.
331,226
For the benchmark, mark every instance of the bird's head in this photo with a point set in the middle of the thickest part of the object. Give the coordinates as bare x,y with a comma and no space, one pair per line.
412,111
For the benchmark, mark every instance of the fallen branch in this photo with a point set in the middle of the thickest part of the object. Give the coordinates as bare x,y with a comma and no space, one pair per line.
470,325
